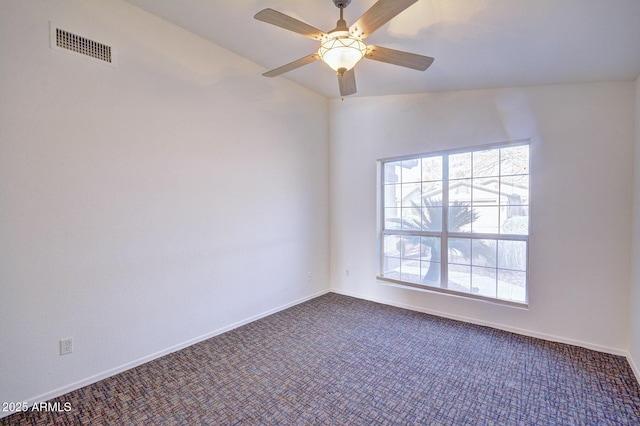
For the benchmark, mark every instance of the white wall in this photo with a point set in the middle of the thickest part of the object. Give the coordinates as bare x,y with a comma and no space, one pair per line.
634,306
141,207
581,173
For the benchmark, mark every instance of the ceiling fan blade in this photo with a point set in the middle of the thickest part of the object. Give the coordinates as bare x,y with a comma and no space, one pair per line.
398,57
347,82
281,20
292,65
378,15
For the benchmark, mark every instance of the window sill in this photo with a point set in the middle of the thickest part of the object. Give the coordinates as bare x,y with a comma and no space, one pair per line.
438,290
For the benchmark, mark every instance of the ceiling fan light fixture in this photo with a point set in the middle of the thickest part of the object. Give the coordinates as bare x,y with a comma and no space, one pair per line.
342,51
342,48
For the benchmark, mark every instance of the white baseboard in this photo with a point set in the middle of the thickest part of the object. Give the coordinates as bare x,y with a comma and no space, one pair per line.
124,367
524,332
634,367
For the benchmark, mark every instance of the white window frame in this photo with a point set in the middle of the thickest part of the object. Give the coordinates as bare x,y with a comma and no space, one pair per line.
445,234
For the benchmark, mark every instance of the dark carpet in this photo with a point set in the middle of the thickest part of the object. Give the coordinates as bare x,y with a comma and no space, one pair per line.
337,360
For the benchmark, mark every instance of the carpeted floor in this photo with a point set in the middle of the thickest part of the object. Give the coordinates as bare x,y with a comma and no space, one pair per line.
337,360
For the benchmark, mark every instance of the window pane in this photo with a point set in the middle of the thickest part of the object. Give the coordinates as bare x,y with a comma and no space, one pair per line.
460,218
411,194
392,218
411,171
430,249
484,253
432,193
483,281
391,245
391,267
512,255
460,165
486,163
514,160
411,220
460,191
410,271
514,190
432,219
460,278
512,285
432,168
392,172
514,200
515,224
430,260
392,194
486,192
487,220
460,251
430,272
410,247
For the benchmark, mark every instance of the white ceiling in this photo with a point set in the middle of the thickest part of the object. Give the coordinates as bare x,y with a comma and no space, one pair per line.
476,43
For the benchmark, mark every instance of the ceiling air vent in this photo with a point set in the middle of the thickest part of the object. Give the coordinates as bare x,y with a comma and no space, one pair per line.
79,45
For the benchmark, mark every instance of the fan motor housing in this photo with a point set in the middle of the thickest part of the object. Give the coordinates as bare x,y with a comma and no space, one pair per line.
341,3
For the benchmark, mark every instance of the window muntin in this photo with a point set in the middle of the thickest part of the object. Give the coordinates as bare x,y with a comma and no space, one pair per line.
458,221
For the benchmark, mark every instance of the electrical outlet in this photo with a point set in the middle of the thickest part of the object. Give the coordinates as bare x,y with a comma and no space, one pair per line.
308,276
346,273
66,346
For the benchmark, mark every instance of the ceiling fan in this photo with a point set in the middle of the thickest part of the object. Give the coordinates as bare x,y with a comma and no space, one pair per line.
342,48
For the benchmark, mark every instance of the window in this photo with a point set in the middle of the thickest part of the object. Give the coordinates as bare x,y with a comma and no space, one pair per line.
458,221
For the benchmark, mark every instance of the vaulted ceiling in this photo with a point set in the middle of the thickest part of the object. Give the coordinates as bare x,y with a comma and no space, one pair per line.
476,43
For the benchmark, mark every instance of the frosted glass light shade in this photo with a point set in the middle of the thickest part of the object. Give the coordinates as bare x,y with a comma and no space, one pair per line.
342,52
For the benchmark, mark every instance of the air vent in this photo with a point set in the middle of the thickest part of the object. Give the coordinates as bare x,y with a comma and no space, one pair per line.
79,45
